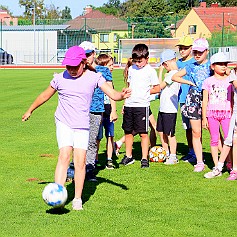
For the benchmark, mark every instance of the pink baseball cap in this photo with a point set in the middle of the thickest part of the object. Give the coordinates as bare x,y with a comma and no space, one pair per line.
74,56
200,44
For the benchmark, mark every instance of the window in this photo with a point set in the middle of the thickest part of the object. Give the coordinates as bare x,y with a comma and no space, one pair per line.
93,39
115,37
104,38
192,29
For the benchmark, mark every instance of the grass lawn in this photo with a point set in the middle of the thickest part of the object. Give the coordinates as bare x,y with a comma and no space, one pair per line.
127,201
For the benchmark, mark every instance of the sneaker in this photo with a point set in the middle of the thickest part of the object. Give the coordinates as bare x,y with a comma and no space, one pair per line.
171,160
77,204
229,166
233,175
110,165
90,176
214,173
144,163
199,167
116,149
127,161
192,160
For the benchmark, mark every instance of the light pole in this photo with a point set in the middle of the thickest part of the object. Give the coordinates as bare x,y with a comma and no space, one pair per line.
34,31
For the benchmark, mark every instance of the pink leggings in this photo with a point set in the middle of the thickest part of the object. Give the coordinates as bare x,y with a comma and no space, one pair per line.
214,128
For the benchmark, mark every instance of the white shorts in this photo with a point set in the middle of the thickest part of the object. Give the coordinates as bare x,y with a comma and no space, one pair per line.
76,138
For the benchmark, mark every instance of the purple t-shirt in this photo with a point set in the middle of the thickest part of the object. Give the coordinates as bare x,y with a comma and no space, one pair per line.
74,97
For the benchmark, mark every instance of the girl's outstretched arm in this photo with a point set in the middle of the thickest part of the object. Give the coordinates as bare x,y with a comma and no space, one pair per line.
41,99
113,94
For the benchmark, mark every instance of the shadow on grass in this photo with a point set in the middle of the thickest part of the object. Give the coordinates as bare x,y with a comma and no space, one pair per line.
90,188
58,211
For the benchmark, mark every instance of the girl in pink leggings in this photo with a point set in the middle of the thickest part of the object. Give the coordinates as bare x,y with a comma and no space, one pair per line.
217,101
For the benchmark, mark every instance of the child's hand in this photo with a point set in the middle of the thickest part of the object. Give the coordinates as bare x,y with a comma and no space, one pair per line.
191,83
126,92
113,116
26,116
204,123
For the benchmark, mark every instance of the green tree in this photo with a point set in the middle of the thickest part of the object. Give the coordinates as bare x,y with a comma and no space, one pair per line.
223,39
52,12
66,13
111,8
30,5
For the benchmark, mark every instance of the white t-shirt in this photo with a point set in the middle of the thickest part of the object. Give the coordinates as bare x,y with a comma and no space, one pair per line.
169,95
140,81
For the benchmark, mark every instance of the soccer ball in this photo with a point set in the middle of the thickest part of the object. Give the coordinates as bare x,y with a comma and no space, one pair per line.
55,195
157,154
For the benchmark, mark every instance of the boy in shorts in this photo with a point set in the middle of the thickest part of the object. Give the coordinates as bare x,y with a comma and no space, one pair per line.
168,106
143,81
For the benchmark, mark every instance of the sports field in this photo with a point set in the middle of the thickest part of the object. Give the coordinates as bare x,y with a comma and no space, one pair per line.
127,201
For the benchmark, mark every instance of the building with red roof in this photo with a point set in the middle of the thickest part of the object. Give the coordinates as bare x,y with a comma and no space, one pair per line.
202,21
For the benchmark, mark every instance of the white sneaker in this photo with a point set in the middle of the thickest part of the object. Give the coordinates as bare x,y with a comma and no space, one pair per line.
214,173
77,204
171,160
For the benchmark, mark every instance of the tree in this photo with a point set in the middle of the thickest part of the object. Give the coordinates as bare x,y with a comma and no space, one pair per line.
66,13
30,5
6,8
52,12
111,8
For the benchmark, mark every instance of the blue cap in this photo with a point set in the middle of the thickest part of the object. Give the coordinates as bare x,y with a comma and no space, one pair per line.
166,55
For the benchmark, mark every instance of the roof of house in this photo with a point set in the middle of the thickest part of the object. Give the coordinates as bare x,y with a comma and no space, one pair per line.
215,17
98,21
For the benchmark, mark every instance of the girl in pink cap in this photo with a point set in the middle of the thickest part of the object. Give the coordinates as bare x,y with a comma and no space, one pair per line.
75,87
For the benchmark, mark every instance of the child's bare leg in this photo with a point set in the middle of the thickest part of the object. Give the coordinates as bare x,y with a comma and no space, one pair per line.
152,124
80,170
128,144
173,144
62,165
164,141
197,136
144,145
235,152
110,142
214,153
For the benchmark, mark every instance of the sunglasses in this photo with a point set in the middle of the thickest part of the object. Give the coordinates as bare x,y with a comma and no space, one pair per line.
184,48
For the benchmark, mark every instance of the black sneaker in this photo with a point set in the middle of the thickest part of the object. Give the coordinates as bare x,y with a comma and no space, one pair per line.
127,161
110,165
91,177
144,163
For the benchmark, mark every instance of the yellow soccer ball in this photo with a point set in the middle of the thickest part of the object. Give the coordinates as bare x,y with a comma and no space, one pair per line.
157,154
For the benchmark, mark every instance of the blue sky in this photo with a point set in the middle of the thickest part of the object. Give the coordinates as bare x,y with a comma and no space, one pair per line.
76,6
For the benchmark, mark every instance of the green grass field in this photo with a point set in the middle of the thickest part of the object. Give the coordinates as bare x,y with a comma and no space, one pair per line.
127,201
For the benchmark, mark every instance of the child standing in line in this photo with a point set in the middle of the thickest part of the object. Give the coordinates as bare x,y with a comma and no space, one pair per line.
143,81
105,66
231,139
168,106
185,50
152,122
192,109
75,88
216,106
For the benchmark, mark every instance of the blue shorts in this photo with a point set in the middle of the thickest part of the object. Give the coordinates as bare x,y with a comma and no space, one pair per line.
109,128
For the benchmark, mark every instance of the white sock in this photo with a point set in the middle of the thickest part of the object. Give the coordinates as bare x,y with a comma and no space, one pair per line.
167,153
119,143
173,155
220,166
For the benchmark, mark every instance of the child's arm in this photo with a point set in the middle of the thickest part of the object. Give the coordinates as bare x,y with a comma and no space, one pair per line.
178,77
41,99
162,83
113,94
113,114
204,109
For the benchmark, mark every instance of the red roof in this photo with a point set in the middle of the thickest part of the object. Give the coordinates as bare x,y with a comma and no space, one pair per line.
215,17
98,21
